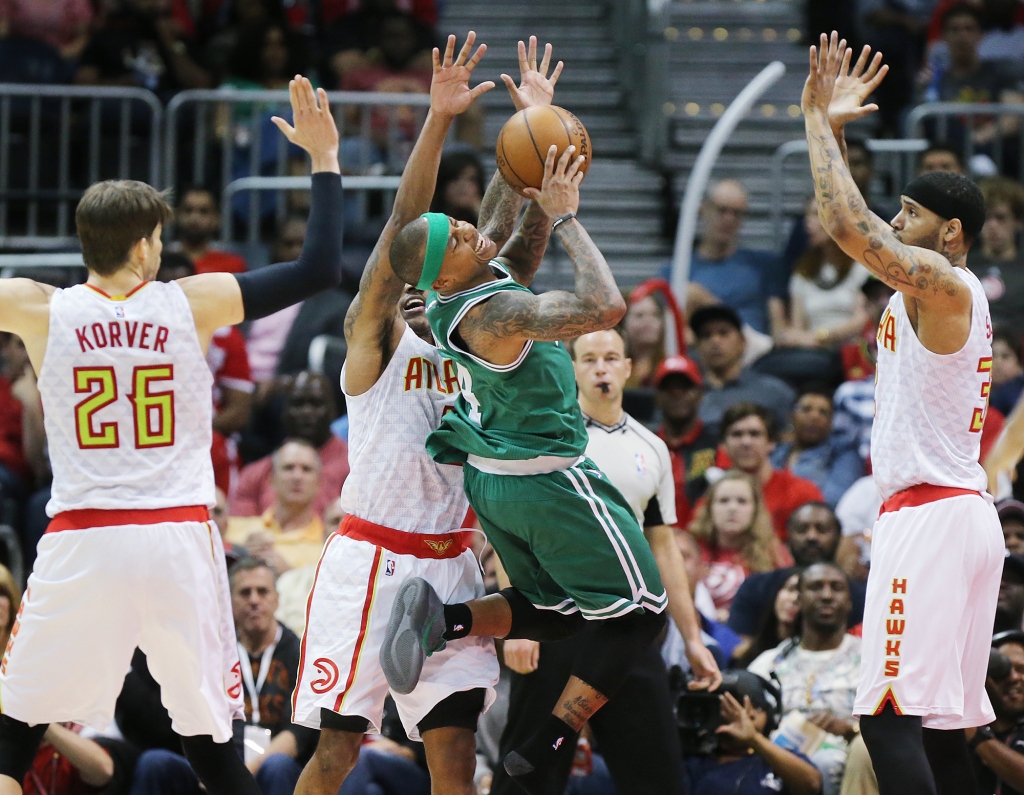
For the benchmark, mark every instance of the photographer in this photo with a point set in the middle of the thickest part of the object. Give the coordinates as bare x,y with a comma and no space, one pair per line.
999,747
744,761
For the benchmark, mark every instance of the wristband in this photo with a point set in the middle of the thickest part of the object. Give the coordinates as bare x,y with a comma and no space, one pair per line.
561,220
982,735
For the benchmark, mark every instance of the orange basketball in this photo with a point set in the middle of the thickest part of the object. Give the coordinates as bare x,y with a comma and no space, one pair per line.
524,141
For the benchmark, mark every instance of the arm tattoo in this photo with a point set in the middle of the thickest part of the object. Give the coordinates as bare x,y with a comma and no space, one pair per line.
386,289
525,250
862,234
577,711
499,210
557,315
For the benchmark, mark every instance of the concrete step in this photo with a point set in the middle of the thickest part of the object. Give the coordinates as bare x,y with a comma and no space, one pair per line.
770,12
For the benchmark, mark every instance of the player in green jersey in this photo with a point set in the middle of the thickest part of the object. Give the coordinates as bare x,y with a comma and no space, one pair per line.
567,538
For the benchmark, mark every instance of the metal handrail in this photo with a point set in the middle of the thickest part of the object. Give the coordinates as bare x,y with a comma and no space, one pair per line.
352,183
799,147
942,111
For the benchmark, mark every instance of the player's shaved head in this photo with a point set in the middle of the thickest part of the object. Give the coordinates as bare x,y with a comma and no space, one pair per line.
408,249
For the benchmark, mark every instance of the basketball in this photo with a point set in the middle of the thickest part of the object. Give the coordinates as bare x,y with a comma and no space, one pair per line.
524,141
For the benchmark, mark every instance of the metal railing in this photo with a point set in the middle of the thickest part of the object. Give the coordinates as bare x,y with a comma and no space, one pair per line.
896,172
957,123
233,126
55,141
257,184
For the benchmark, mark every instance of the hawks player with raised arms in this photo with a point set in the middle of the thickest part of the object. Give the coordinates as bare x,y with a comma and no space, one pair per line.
402,508
937,548
130,558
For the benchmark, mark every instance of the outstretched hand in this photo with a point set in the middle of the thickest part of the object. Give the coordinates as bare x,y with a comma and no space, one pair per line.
535,87
450,93
314,130
739,725
853,87
826,60
560,191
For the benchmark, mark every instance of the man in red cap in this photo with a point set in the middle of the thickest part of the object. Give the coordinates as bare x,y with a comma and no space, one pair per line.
692,444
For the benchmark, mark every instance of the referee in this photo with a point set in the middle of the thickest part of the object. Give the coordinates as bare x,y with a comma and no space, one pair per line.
636,730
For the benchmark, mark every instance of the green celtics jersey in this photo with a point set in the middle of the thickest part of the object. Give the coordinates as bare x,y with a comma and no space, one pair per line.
511,411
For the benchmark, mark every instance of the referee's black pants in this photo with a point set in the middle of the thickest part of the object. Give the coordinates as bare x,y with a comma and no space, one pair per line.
635,731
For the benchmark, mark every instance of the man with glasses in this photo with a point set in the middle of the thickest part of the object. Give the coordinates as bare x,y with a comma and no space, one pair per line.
739,277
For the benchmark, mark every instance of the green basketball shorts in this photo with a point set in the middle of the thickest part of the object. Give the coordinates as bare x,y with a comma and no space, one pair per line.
568,540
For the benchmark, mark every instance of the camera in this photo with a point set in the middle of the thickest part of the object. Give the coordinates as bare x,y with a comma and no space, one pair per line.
699,713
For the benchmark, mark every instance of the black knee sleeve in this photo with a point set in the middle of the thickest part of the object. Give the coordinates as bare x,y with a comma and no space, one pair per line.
329,719
460,710
532,623
609,648
896,747
219,766
18,745
950,761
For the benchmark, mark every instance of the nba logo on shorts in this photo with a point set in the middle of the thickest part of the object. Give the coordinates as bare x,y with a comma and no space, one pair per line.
389,568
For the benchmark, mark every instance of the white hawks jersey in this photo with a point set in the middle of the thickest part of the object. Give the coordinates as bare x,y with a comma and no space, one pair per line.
393,480
930,408
126,399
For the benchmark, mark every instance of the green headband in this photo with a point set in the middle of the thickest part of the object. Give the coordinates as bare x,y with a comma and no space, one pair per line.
437,242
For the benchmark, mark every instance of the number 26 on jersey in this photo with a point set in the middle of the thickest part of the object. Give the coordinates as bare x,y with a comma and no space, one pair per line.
153,410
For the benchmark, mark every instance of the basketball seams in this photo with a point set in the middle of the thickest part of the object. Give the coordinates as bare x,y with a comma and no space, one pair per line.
568,132
540,157
508,163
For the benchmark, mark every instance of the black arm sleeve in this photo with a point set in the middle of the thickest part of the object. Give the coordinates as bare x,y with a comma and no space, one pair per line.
318,267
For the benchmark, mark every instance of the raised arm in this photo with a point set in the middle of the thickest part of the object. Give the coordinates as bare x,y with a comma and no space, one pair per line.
596,302
372,326
501,204
222,299
916,272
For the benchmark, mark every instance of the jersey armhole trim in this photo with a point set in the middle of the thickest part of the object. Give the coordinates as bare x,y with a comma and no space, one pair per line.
497,368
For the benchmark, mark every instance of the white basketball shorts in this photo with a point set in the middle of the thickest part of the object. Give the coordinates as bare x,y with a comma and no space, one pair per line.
936,562
96,592
346,619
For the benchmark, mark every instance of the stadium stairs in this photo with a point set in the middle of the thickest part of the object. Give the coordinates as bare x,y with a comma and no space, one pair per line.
621,201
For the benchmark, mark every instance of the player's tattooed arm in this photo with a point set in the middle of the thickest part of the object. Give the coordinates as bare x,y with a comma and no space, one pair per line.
499,210
557,315
917,272
525,251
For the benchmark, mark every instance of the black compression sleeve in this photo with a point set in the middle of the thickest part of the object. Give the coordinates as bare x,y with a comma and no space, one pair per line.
318,267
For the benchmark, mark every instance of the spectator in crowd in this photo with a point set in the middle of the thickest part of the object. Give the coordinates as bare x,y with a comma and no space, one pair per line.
857,512
813,538
735,534
745,760
357,39
720,345
63,25
777,624
1011,518
10,601
307,417
997,260
819,669
814,454
290,533
826,305
271,651
220,27
643,329
1004,28
460,187
717,636
748,438
294,585
1007,371
679,389
141,44
998,748
197,226
740,278
1010,607
859,356
940,157
266,56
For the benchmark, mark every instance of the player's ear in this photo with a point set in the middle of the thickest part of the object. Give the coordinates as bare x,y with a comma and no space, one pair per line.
952,234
